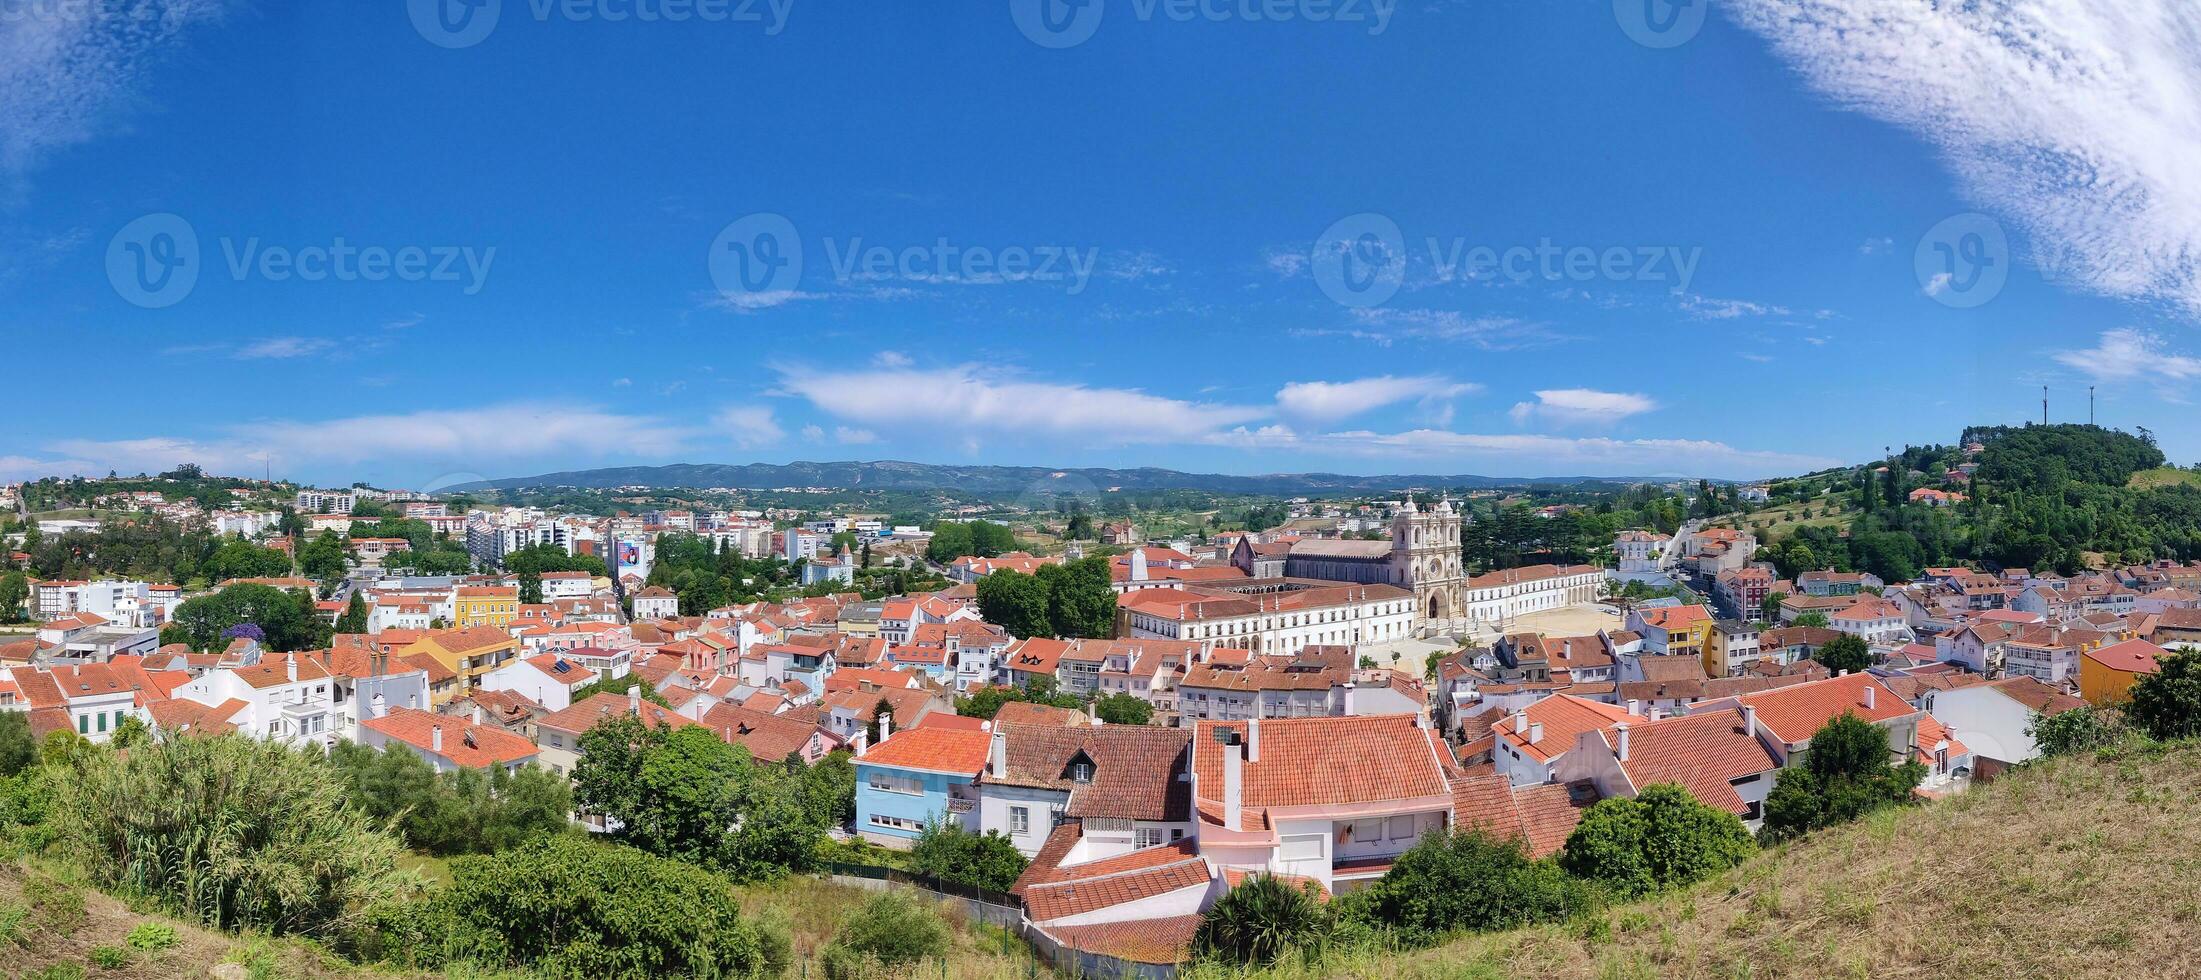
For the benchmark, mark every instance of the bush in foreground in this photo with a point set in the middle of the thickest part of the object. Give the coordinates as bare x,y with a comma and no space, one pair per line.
1261,921
1660,838
230,831
890,932
1469,880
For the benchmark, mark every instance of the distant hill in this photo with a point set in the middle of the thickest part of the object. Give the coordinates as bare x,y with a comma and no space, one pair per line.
897,475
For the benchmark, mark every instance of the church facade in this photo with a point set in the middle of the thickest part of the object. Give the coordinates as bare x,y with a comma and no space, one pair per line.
1423,556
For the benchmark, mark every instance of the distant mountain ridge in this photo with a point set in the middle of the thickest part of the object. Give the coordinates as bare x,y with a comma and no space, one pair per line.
1038,480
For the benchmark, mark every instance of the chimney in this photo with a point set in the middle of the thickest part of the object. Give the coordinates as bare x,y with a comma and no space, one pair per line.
1234,777
1635,707
1349,687
1750,719
1620,735
292,663
1253,740
861,742
1868,696
1657,713
886,726
435,738
1520,720
1535,733
1138,565
634,700
477,712
997,757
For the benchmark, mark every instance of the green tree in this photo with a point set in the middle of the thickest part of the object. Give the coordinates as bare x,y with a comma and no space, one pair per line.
1658,839
323,559
15,589
1016,602
1262,921
1845,653
1814,619
1123,709
1080,599
1770,609
2167,704
568,907
18,749
288,620
948,852
1846,773
684,793
354,618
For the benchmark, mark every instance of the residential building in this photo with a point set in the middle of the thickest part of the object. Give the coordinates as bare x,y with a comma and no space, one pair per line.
916,777
2107,673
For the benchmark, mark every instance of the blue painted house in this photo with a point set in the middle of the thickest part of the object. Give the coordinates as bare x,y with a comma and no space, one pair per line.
914,777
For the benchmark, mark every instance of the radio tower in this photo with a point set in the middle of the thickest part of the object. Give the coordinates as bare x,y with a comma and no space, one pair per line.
2090,404
2044,404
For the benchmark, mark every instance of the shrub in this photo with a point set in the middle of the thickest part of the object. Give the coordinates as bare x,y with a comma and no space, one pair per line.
889,931
110,957
15,917
2077,730
950,853
1469,880
2167,704
229,831
1845,774
1261,921
568,907
1659,839
57,971
152,936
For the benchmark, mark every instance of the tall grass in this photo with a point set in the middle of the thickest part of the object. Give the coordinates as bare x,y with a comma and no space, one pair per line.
229,831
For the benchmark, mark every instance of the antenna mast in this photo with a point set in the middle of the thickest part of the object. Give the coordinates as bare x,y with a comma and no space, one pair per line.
2044,404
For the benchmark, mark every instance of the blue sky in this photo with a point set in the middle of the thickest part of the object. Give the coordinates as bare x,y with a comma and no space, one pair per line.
1754,213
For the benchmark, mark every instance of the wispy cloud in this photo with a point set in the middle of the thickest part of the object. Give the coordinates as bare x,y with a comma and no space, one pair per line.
2079,120
68,69
2131,355
967,399
282,348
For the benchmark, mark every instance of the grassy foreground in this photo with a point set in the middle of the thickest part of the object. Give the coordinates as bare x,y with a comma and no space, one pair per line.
2073,868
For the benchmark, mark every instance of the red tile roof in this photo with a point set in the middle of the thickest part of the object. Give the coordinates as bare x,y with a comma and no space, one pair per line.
1703,752
1794,713
1318,761
469,745
2131,656
947,750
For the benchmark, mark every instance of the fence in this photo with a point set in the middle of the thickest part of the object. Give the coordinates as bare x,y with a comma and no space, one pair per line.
1005,912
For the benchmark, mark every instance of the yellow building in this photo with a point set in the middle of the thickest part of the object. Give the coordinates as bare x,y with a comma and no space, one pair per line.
2106,674
1680,631
468,653
485,606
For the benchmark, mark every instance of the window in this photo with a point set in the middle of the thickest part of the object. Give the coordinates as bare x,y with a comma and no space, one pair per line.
1081,772
1402,828
103,722
83,724
1367,830
1020,821
890,783
1301,847
1146,837
896,823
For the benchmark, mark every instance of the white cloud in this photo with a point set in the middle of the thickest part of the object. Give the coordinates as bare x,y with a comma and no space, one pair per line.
65,68
750,427
17,468
1875,246
1582,406
968,400
854,437
2130,355
1332,400
891,359
2079,120
277,348
1384,324
1712,308
469,439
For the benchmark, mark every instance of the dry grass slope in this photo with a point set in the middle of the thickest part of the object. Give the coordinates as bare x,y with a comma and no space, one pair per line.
2162,477
2073,869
